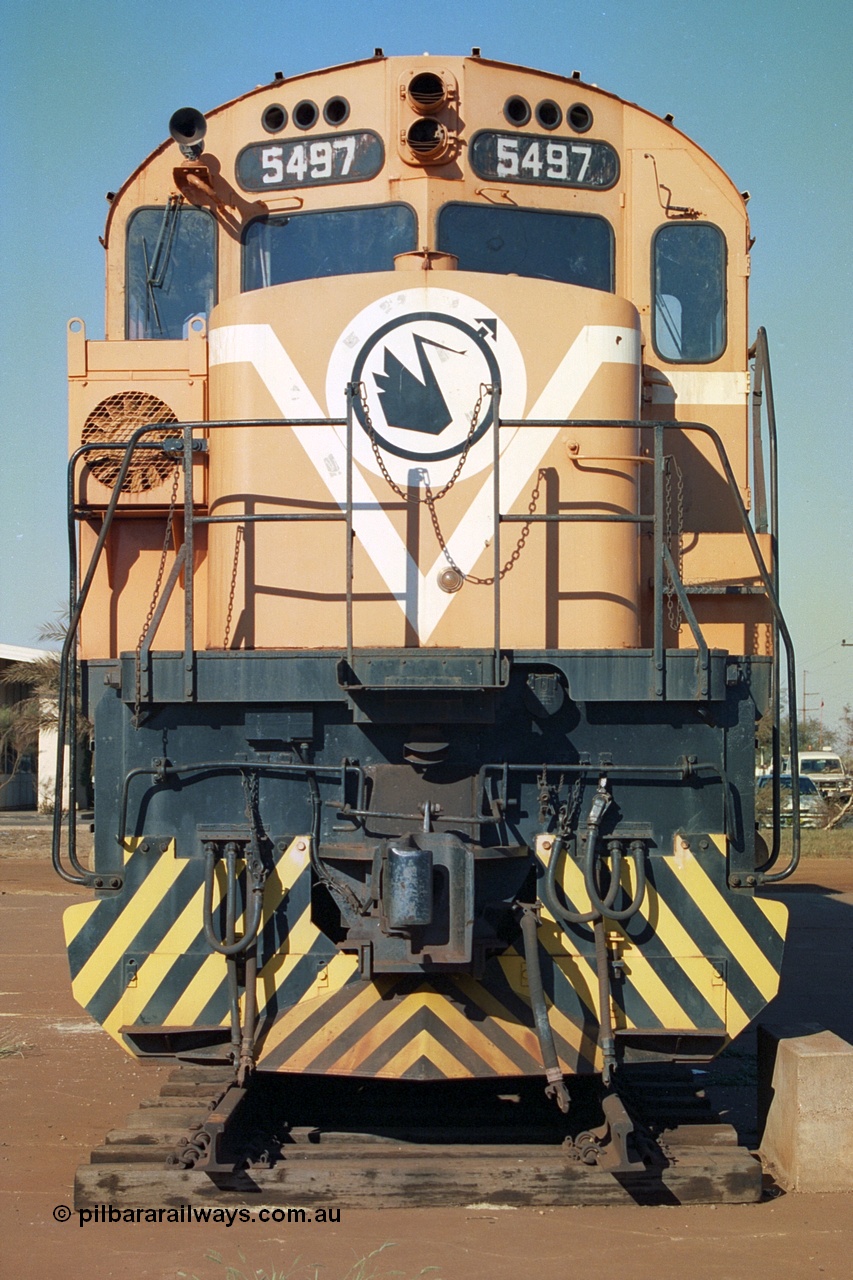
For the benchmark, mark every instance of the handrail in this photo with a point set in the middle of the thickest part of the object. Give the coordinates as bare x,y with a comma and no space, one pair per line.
761,354
76,604
664,564
770,592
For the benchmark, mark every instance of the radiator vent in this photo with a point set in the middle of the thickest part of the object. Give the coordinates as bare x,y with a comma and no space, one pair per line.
113,421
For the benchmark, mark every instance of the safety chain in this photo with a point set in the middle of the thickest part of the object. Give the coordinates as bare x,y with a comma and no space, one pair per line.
519,546
167,544
549,794
673,604
251,794
241,530
569,811
430,498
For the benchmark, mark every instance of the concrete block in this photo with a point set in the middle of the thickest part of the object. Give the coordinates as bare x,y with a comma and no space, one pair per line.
808,1135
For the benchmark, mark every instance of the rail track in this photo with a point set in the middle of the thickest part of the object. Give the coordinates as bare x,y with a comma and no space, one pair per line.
292,1143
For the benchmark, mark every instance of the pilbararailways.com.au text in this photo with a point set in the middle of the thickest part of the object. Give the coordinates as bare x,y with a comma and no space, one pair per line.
187,1213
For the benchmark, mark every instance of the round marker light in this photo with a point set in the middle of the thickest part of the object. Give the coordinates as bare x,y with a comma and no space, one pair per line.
274,118
517,110
548,114
305,114
579,117
336,111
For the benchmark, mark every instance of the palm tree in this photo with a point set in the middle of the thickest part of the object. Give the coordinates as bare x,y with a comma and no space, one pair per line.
27,716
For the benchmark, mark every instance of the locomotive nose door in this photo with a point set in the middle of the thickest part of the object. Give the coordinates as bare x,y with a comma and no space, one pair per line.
425,362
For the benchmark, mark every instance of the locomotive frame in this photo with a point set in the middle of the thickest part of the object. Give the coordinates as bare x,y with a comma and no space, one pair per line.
482,852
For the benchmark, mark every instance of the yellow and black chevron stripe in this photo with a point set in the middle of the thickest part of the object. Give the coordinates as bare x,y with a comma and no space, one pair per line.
696,956
140,958
411,1027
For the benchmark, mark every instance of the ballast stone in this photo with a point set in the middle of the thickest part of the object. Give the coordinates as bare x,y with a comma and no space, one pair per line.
808,1137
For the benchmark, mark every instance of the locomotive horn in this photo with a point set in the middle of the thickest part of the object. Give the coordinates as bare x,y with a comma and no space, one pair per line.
188,127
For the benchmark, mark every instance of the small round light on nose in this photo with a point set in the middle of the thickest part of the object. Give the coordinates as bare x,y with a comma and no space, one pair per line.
305,114
336,111
548,114
450,580
274,118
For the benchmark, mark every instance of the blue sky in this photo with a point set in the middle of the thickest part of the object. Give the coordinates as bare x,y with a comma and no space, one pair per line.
764,85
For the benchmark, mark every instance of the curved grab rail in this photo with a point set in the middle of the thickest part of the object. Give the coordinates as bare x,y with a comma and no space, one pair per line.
760,353
767,579
68,715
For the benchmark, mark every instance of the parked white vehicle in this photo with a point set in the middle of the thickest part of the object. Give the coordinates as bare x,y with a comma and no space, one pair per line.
826,772
813,809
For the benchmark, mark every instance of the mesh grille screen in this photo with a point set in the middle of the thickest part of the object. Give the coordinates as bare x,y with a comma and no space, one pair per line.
114,420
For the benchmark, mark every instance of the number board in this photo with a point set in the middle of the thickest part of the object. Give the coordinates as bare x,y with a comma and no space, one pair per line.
340,157
550,162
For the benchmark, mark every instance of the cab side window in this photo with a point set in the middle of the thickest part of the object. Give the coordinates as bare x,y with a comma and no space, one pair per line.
689,289
171,270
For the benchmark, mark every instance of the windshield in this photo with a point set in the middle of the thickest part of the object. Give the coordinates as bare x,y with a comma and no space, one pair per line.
574,248
334,242
826,764
807,787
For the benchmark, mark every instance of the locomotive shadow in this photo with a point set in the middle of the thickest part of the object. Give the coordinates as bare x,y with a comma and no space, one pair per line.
817,951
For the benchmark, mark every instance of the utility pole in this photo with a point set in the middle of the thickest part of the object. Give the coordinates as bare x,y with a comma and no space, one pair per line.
805,707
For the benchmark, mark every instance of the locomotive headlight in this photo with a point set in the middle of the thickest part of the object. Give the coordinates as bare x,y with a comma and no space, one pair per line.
427,93
427,139
429,118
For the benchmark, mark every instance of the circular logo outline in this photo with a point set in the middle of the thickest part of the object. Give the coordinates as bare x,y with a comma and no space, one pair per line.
414,317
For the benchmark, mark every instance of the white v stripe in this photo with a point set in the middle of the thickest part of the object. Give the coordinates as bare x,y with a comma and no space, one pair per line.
419,595
258,345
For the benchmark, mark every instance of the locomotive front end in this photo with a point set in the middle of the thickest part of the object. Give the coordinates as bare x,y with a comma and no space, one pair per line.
425,631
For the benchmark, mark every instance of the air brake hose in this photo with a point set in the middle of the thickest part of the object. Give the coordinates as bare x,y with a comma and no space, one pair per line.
254,922
601,802
556,1087
605,907
247,1046
600,908
231,961
550,889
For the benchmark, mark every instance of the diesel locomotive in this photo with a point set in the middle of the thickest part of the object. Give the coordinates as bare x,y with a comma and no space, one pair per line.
424,587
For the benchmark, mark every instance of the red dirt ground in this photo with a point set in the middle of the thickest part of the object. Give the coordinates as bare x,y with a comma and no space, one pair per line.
70,1084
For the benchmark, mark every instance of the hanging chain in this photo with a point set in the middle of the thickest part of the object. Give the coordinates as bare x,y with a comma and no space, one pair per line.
152,608
252,810
675,537
430,498
569,811
519,546
241,530
485,389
